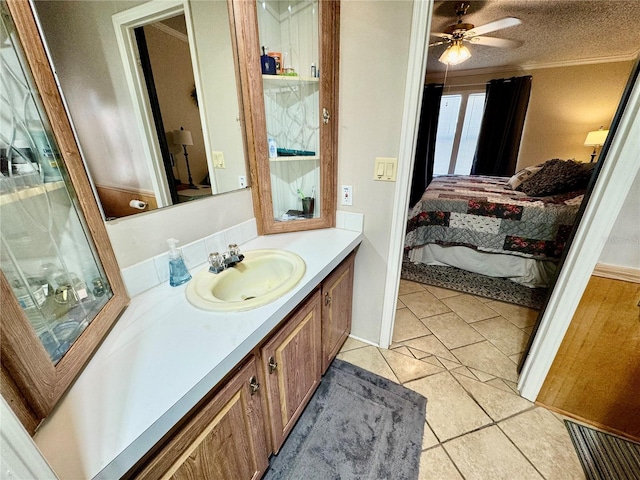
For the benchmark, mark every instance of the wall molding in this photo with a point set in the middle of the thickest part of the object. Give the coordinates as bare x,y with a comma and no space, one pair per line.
617,272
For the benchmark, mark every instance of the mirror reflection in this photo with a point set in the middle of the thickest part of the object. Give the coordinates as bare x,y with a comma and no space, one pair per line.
155,69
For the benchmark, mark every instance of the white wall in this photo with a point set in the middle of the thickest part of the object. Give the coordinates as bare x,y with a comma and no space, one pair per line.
374,45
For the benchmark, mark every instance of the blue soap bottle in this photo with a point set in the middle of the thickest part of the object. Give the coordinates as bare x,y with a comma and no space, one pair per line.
178,273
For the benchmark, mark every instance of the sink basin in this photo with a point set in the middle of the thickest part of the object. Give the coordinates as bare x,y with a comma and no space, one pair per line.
262,277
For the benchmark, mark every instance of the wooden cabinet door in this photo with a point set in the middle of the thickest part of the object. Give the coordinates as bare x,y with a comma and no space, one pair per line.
337,296
291,362
224,440
595,376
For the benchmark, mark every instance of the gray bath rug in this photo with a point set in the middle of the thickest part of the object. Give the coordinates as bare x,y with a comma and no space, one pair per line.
463,281
604,456
357,426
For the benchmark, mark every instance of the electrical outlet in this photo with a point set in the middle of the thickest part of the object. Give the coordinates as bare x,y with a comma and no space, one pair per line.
242,181
347,195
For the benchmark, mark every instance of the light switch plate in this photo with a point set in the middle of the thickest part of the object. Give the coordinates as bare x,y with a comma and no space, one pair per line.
385,169
218,159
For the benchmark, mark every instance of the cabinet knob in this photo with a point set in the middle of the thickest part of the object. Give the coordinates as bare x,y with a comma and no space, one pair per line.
273,365
255,386
325,116
327,299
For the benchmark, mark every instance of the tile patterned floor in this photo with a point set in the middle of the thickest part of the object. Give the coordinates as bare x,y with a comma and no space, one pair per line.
461,352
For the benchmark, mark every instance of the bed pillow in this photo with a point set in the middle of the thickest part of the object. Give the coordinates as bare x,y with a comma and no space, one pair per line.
515,181
556,176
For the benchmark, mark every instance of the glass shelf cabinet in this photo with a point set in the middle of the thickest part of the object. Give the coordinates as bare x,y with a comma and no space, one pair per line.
290,81
60,283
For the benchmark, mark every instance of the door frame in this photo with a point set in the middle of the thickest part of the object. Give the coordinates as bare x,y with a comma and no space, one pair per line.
619,169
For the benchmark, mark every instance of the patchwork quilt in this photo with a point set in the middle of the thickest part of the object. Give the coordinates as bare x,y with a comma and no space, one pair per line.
483,213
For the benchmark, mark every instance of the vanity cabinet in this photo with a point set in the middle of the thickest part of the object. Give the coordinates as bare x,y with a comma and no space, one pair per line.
60,284
291,117
232,434
224,440
337,299
291,363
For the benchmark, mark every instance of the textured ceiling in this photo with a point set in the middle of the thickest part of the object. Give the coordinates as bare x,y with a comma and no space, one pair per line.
552,31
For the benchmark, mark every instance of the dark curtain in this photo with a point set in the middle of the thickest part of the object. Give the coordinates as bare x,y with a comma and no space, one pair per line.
505,108
426,144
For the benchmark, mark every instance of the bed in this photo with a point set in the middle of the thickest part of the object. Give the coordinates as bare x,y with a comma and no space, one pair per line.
481,224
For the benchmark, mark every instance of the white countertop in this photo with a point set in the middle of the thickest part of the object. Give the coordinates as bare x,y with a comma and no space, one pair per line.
163,356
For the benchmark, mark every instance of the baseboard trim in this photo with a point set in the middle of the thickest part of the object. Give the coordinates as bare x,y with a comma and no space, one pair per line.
616,272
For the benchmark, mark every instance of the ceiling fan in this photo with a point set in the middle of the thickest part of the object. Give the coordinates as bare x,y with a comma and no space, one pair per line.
456,35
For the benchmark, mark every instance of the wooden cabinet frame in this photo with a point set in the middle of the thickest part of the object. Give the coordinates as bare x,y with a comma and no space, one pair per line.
244,15
30,383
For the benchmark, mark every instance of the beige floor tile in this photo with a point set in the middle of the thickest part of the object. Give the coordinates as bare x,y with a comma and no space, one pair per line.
497,403
433,360
482,376
450,410
439,292
448,364
464,371
528,330
484,299
407,326
545,442
429,438
352,344
488,454
516,358
370,359
484,356
407,286
469,308
435,464
521,317
512,385
423,304
503,334
400,304
453,331
408,368
403,350
499,383
430,344
418,354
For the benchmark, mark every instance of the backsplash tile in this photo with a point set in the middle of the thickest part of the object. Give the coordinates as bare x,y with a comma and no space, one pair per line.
354,222
194,253
140,277
154,271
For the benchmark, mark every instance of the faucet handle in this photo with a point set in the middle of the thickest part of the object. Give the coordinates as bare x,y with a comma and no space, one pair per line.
233,250
216,262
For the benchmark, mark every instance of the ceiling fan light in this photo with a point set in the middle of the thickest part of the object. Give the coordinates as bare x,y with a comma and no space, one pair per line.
455,54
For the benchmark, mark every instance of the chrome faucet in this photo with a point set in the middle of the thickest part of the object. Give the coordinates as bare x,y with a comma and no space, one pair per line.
219,262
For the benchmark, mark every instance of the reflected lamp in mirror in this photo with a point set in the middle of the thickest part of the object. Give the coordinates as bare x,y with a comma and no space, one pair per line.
183,137
456,53
595,139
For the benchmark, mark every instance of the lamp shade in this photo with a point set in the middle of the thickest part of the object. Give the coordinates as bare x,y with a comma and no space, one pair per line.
182,137
596,138
455,54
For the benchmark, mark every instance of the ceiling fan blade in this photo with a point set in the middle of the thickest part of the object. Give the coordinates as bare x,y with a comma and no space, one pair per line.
441,35
438,43
493,26
494,42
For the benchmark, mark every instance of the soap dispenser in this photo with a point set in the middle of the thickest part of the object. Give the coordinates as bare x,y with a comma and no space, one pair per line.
178,273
